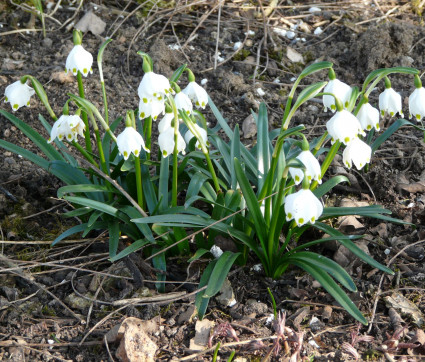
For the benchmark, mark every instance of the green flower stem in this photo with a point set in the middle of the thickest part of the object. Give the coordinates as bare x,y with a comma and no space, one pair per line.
86,155
278,202
190,124
326,163
286,119
320,143
175,153
138,172
41,93
101,153
84,114
362,101
147,130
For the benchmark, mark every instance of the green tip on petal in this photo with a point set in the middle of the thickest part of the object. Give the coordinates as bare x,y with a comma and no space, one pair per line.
289,215
347,139
333,107
15,106
297,178
300,221
136,153
125,154
164,153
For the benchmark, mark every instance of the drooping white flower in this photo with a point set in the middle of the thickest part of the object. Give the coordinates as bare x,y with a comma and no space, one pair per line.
390,101
165,122
197,94
166,142
357,152
130,141
368,117
417,103
312,168
67,127
303,207
344,127
183,102
152,108
79,59
189,135
340,89
18,95
152,86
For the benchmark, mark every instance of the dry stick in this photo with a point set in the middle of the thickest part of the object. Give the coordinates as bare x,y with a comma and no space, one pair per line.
224,345
73,16
10,343
140,304
125,19
378,293
201,21
377,19
178,43
220,2
231,55
257,62
107,348
44,211
367,183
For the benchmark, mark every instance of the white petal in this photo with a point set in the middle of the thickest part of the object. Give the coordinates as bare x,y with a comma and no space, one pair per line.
417,104
18,95
357,152
197,94
79,59
303,207
344,127
189,135
368,117
154,86
183,102
166,142
153,109
390,102
165,122
341,90
130,141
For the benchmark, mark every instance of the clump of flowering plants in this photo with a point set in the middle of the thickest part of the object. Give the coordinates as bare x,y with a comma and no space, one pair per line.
264,198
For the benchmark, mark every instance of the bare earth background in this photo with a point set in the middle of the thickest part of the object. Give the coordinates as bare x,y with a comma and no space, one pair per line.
65,294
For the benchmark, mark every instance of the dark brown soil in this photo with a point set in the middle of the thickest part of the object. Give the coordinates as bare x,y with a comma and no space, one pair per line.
40,285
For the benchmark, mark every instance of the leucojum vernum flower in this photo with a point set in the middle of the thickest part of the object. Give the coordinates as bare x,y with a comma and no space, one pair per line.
157,190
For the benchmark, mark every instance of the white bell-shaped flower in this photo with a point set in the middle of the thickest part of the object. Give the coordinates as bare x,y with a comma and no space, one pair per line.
152,108
183,102
303,207
79,59
189,135
18,95
344,127
357,152
341,90
390,101
312,168
130,141
67,127
368,117
165,122
166,142
153,86
197,94
417,104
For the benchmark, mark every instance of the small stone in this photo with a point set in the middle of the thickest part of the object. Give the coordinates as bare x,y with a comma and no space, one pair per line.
47,42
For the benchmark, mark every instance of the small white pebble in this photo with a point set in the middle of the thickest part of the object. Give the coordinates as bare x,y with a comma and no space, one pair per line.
174,46
293,79
318,31
95,7
232,303
270,318
303,40
250,33
277,80
237,45
279,31
314,9
218,57
313,320
313,343
257,268
216,251
204,81
290,35
387,251
412,204
260,92
50,341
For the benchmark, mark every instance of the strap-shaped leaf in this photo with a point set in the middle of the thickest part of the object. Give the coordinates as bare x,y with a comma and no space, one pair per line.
201,302
83,188
332,288
107,209
263,146
39,161
164,174
329,185
386,71
219,274
370,210
315,67
235,152
137,245
50,152
327,265
351,246
390,130
308,92
78,229
252,205
114,237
